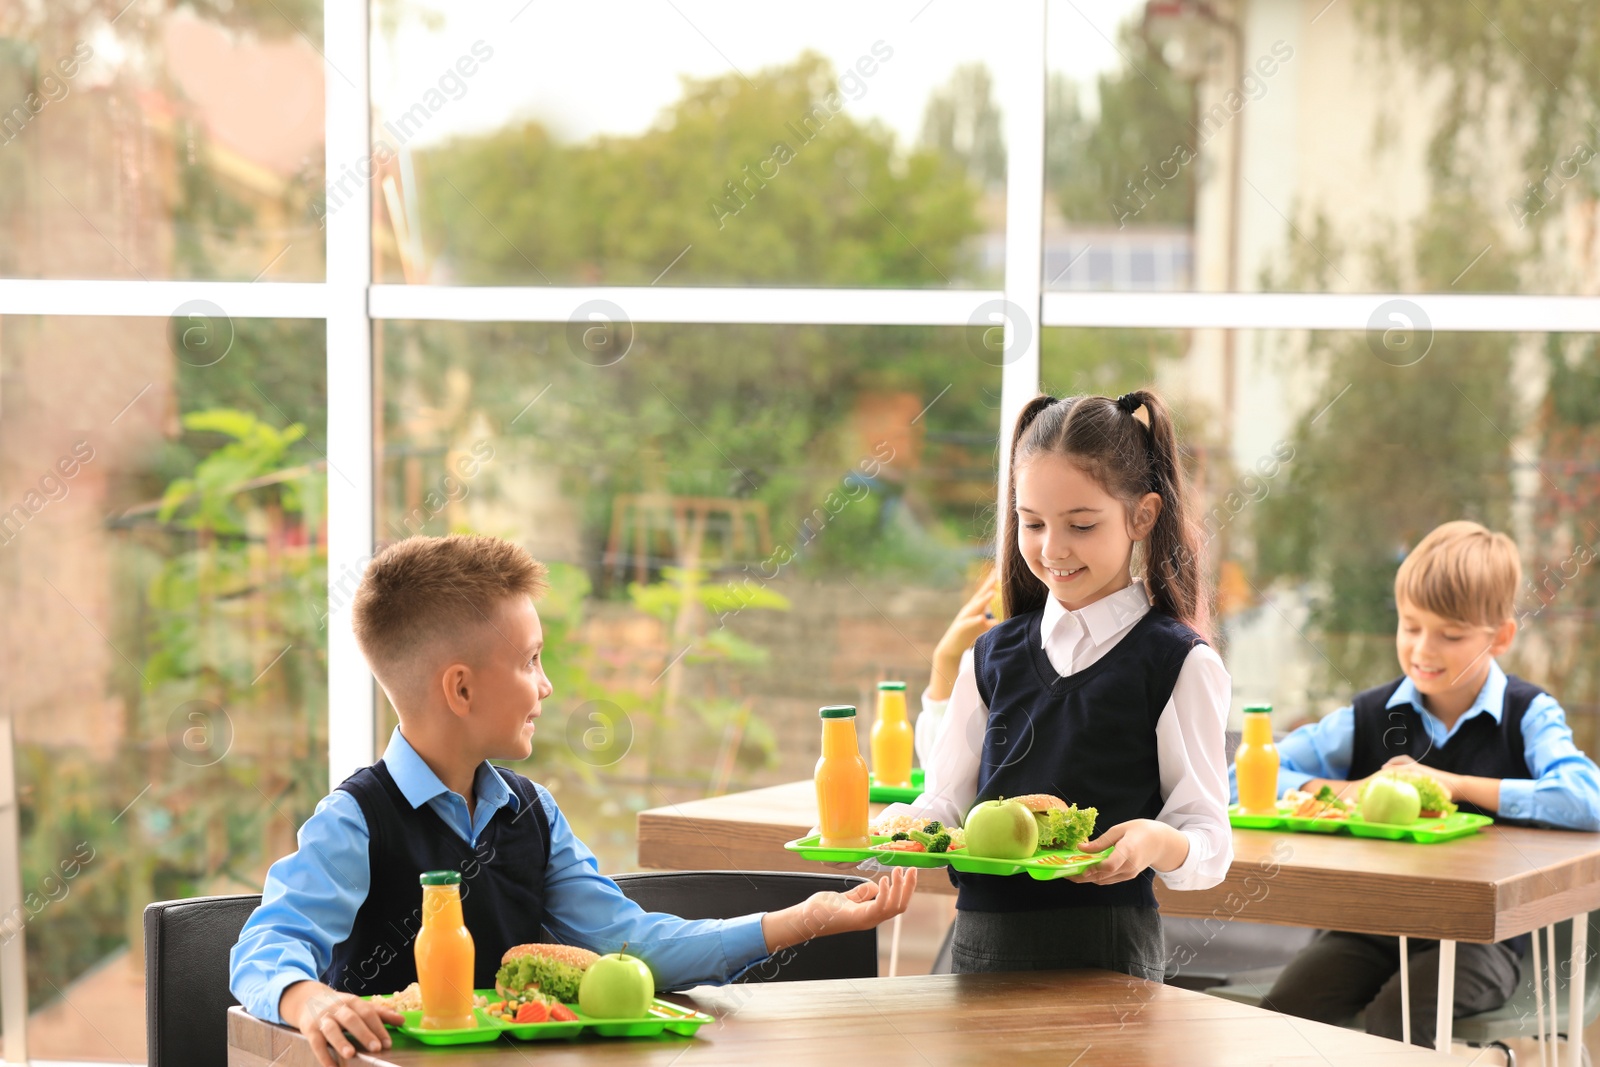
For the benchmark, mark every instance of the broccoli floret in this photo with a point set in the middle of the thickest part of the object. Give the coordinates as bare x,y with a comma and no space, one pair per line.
933,827
938,842
901,836
1326,795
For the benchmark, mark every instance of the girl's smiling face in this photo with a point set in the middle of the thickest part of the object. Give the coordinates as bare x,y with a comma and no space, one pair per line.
1076,538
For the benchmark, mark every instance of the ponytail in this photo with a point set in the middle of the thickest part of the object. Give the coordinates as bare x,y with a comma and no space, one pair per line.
1129,458
1172,563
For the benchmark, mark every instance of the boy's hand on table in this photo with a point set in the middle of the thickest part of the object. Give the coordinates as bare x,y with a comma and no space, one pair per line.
324,1014
1140,843
1451,782
862,908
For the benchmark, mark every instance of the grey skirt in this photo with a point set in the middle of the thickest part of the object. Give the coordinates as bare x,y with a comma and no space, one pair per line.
1117,938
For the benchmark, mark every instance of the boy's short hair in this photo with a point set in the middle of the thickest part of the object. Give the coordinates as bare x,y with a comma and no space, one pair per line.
1464,572
434,593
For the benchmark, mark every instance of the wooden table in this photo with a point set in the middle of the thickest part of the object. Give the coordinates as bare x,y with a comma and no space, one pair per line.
1498,883
1085,1018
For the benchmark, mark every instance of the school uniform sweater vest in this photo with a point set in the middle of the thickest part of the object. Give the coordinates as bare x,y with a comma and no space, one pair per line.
1087,737
1481,747
502,883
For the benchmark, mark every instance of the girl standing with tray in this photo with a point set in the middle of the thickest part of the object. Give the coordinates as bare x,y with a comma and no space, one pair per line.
1099,688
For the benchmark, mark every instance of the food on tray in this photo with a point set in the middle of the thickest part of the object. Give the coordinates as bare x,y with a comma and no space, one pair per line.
1431,792
900,844
554,971
1388,798
410,999
1061,859
530,1008
1324,804
922,830
1061,825
1002,829
617,986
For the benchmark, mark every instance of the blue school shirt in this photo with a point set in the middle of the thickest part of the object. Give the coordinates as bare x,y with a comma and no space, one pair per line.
311,897
1564,791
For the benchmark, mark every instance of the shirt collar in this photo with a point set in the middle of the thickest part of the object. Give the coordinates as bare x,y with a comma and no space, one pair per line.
419,784
1104,619
1491,698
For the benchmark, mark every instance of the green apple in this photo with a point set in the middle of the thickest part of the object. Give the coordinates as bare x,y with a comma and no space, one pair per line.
1002,830
617,986
1389,799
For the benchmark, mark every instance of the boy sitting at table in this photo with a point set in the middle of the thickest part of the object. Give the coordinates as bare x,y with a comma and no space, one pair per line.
449,628
1499,745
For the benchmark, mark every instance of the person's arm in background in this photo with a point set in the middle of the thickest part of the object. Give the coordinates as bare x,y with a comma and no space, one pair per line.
930,724
1564,791
308,906
1314,755
950,783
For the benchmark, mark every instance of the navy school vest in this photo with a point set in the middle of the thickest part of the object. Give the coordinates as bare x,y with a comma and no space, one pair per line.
1087,737
502,883
1481,747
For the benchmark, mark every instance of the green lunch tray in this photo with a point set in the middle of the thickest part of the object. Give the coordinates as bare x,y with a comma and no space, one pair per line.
663,1018
1422,832
895,794
1044,866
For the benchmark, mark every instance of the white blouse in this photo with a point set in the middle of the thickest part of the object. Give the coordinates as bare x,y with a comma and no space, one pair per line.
1189,734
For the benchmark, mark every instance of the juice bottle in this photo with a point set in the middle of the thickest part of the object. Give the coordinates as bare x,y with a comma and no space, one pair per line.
444,954
891,736
841,781
1256,763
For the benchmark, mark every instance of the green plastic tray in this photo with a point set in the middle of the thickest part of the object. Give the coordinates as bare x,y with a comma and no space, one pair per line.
1044,866
487,1030
1421,832
663,1018
895,794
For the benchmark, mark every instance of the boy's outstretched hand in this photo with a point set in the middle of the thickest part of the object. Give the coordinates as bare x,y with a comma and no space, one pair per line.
862,908
324,1014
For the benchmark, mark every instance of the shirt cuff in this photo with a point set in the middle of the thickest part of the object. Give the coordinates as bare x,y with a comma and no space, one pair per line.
272,995
1288,780
1183,873
1516,798
743,944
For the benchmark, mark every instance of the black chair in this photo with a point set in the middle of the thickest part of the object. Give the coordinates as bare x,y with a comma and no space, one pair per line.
729,894
186,999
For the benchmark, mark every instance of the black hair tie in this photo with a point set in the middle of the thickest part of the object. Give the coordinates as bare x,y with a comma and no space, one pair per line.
1128,403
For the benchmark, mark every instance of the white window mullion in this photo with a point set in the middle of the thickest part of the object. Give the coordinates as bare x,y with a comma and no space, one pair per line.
1024,111
1440,312
351,710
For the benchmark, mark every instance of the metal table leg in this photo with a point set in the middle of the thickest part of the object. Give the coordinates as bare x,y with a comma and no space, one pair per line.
1444,1019
1405,993
1575,991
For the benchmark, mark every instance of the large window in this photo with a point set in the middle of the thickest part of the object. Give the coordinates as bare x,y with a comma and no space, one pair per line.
726,313
164,565
147,145
816,145
742,522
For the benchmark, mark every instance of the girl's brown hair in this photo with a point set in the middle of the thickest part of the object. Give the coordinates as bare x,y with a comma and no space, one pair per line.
1129,459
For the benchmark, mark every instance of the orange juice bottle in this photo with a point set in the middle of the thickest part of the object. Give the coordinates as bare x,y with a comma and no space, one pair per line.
444,954
891,736
841,781
1256,763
